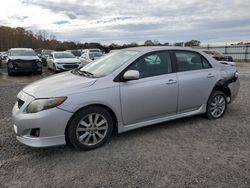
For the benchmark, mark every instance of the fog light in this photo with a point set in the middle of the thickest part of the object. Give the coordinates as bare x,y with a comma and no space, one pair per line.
35,132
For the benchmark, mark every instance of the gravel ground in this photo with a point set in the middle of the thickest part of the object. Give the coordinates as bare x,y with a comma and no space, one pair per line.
191,152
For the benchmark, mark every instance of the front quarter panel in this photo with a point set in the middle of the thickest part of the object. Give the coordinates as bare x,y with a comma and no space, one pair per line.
103,92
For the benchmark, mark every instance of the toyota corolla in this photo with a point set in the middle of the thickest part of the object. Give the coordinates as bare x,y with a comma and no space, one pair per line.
121,91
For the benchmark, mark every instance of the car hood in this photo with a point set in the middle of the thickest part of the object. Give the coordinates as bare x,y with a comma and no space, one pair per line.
58,85
23,57
67,60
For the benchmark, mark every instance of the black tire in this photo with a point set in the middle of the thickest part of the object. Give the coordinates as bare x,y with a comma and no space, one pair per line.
72,134
10,73
211,99
54,68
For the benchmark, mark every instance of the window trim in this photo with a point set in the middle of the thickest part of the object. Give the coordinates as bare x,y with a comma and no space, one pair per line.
190,51
119,77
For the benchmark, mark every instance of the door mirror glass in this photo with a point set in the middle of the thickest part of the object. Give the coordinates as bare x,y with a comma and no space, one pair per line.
131,75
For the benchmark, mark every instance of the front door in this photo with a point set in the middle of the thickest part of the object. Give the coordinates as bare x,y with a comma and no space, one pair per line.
155,94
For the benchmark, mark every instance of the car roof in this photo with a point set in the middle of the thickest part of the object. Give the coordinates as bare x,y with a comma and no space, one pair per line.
21,49
55,52
156,48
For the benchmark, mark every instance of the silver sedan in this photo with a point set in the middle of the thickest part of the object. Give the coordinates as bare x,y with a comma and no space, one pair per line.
121,91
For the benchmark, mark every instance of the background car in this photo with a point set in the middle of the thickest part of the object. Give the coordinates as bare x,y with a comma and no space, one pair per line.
218,55
44,56
92,50
23,60
76,53
88,57
3,55
61,61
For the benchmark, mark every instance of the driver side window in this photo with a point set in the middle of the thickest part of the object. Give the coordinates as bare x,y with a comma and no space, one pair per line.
153,64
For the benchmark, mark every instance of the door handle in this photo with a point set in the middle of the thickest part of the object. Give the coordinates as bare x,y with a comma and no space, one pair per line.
171,81
210,75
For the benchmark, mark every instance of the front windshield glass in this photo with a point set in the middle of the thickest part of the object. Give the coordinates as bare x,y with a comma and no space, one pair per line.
93,55
22,53
76,52
60,55
95,50
108,63
47,52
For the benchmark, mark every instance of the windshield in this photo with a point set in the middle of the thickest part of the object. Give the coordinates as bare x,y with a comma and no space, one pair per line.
93,55
76,53
217,53
22,53
60,55
208,52
95,50
108,63
47,52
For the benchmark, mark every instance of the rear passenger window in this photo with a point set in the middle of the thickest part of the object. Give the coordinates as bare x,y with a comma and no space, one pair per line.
188,61
206,64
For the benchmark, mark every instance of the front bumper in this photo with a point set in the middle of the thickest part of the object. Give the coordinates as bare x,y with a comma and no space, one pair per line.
51,124
23,66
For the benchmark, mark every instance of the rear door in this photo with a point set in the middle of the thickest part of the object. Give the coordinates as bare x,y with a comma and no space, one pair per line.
154,94
196,79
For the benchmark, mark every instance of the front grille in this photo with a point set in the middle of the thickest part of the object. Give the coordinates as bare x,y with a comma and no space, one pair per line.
20,103
70,66
28,64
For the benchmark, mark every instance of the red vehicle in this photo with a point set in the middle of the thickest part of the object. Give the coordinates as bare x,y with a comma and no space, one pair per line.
218,55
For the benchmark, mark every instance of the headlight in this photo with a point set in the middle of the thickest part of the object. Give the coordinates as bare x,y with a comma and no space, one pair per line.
44,104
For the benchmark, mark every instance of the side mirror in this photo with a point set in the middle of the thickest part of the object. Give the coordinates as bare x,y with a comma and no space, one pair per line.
131,75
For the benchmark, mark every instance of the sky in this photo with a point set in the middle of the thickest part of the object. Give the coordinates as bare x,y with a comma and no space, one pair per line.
126,21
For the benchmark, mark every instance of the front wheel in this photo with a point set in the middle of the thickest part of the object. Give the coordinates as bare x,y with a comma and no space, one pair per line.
216,105
54,68
90,128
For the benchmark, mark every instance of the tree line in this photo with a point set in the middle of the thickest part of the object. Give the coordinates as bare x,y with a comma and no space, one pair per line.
20,37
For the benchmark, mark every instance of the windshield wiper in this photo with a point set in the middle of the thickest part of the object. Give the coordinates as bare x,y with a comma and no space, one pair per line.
85,73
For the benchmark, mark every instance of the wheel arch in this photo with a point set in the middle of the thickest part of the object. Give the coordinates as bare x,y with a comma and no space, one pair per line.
222,86
109,110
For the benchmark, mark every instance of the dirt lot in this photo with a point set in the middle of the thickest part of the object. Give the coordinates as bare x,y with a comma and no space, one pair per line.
191,152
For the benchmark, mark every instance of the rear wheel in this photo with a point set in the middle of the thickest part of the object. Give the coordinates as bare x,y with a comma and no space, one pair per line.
217,105
90,128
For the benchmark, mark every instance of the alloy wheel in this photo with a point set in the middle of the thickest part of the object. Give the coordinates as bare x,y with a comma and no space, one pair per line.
92,129
218,106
